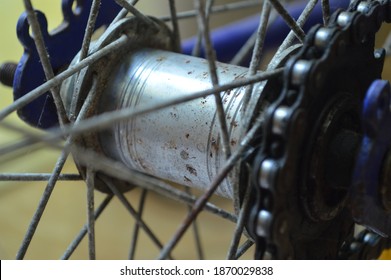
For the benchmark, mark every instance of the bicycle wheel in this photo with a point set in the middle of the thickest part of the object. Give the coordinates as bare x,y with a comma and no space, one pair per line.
158,116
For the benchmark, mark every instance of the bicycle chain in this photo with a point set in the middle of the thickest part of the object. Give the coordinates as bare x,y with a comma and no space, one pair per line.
367,245
335,61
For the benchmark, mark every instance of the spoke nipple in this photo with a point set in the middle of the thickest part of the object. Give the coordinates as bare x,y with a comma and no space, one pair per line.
7,73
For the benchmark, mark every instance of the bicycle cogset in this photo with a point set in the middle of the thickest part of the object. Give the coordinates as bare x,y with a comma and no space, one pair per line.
333,164
371,190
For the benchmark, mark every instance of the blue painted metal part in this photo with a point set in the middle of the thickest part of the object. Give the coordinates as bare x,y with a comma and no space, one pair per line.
228,39
63,44
376,121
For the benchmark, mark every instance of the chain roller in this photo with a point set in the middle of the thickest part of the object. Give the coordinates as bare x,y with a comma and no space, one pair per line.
336,62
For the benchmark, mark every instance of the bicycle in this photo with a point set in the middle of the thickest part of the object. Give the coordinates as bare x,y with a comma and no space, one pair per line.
238,140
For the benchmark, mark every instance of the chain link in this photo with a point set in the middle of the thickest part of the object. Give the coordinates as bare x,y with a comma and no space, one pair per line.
334,59
367,245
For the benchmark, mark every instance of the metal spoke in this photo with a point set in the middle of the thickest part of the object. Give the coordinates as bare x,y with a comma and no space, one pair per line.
103,164
90,181
257,51
290,21
134,214
17,150
248,47
119,171
197,46
200,203
123,13
288,42
38,177
107,119
57,80
244,248
75,243
216,9
174,21
244,51
326,11
196,232
90,29
136,230
129,6
291,36
244,211
34,138
44,58
41,206
23,131
211,57
53,180
259,43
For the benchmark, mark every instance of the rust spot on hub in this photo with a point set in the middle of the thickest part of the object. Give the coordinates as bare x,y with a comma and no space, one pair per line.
191,169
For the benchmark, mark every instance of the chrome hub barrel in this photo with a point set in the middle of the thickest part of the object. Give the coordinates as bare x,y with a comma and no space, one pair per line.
182,143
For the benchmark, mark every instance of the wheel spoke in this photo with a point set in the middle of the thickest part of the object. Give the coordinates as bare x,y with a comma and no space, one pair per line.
244,211
105,120
42,205
197,46
53,180
174,21
257,51
123,13
134,214
17,150
37,177
244,248
211,57
75,243
33,137
260,39
196,232
90,29
119,171
90,181
131,9
57,80
291,36
290,21
44,58
114,169
200,203
244,51
216,9
136,229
